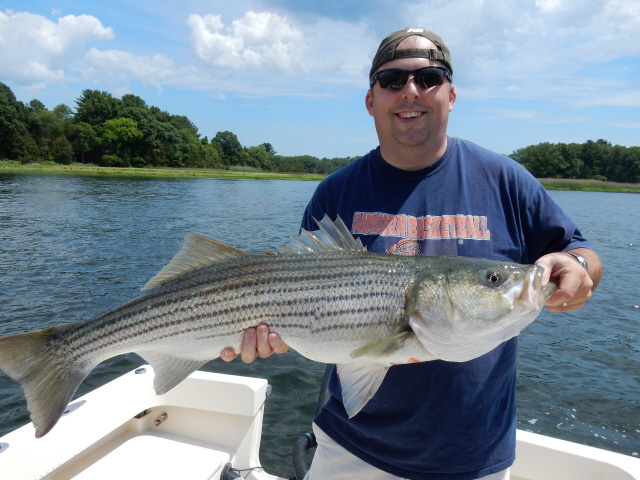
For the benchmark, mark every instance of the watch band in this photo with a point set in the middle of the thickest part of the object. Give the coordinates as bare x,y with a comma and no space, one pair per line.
580,259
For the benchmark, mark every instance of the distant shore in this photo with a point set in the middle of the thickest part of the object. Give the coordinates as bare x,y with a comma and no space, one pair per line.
248,173
94,170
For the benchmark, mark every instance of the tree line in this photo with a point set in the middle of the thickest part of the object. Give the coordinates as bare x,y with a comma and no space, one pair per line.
124,132
597,160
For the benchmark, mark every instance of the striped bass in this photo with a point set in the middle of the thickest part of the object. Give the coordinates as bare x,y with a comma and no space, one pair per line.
328,298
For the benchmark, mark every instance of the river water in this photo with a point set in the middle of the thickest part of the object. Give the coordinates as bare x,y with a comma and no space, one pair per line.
73,247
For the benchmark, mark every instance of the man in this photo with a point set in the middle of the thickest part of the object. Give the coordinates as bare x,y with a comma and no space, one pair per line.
422,192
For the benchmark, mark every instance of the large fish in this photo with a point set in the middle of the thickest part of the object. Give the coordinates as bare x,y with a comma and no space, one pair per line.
327,297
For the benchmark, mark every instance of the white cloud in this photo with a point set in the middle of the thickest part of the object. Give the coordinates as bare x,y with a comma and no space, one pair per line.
258,40
121,65
535,50
300,56
35,50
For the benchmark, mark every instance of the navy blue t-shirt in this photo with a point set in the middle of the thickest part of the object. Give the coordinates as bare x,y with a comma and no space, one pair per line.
441,420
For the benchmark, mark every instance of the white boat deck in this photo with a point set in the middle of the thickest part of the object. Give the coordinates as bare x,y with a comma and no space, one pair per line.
124,431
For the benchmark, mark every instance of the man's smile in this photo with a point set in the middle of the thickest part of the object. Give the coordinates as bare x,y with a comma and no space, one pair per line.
410,114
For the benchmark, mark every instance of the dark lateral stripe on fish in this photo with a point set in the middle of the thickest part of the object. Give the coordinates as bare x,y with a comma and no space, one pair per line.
196,322
85,344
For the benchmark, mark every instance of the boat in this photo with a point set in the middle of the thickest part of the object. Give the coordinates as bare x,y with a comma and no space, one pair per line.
209,428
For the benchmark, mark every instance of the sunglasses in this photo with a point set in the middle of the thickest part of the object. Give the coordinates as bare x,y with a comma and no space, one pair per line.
396,78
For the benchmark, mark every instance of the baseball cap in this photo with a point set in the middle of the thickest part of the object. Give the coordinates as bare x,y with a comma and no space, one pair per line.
387,49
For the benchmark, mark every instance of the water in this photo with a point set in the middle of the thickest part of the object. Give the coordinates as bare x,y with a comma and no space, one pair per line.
72,247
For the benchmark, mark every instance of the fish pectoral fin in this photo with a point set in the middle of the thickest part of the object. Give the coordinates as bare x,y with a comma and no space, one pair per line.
382,347
169,370
360,382
197,251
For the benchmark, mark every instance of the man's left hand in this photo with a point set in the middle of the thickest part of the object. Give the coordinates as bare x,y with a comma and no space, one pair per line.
575,284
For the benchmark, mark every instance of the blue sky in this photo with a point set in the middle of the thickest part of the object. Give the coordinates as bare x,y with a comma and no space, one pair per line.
294,72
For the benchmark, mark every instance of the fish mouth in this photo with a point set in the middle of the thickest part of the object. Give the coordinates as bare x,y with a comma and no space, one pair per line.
534,295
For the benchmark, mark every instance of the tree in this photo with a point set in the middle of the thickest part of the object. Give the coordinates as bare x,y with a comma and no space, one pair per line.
259,158
572,160
84,141
268,148
36,105
63,111
60,150
95,107
543,160
46,128
231,147
25,149
118,135
593,154
12,127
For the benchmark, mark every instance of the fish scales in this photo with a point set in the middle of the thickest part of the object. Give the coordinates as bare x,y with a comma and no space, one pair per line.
282,291
328,298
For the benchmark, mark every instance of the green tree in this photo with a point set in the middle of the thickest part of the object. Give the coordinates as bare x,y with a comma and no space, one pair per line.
543,160
25,149
84,140
60,150
63,111
593,155
48,131
268,148
12,126
259,158
36,105
572,160
95,108
118,135
230,146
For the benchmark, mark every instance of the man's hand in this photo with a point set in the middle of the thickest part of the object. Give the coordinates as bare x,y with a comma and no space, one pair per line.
575,285
257,342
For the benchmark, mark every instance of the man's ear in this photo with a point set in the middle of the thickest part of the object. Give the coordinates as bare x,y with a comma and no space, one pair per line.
368,101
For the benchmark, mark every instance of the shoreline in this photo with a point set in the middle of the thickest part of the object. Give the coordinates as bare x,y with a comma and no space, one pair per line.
235,173
239,173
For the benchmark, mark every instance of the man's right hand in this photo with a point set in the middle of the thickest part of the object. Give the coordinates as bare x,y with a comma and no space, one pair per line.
257,342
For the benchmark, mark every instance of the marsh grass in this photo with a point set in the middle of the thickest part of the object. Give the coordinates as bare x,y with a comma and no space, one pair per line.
589,185
11,167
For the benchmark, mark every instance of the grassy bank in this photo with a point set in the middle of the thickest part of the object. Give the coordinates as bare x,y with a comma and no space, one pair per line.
93,170
589,185
244,173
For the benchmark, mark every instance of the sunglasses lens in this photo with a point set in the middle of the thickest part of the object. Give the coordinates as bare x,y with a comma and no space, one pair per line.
396,79
392,79
429,78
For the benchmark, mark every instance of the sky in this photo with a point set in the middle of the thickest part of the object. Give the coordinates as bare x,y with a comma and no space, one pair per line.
293,73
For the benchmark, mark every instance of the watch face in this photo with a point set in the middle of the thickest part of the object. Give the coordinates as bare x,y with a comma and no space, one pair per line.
580,259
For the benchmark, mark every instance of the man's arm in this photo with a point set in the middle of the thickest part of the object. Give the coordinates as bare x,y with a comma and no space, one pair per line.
575,284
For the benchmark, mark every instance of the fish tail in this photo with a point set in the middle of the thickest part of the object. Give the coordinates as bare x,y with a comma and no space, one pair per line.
48,382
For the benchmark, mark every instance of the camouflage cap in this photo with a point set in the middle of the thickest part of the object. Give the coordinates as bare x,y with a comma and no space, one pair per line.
387,49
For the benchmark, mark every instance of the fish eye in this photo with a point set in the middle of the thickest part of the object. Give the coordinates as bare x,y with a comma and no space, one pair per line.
494,278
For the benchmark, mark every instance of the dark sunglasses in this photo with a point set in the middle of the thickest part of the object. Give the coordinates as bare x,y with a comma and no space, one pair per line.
396,78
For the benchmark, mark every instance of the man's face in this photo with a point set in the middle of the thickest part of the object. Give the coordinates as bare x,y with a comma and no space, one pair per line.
411,116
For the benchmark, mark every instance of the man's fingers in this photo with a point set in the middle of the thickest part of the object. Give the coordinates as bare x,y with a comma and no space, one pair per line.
248,351
277,344
263,346
228,354
256,342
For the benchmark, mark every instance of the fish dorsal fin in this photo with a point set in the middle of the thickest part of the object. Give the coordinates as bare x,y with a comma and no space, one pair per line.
197,251
330,236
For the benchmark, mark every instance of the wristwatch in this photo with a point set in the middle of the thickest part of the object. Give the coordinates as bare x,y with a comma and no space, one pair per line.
581,260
